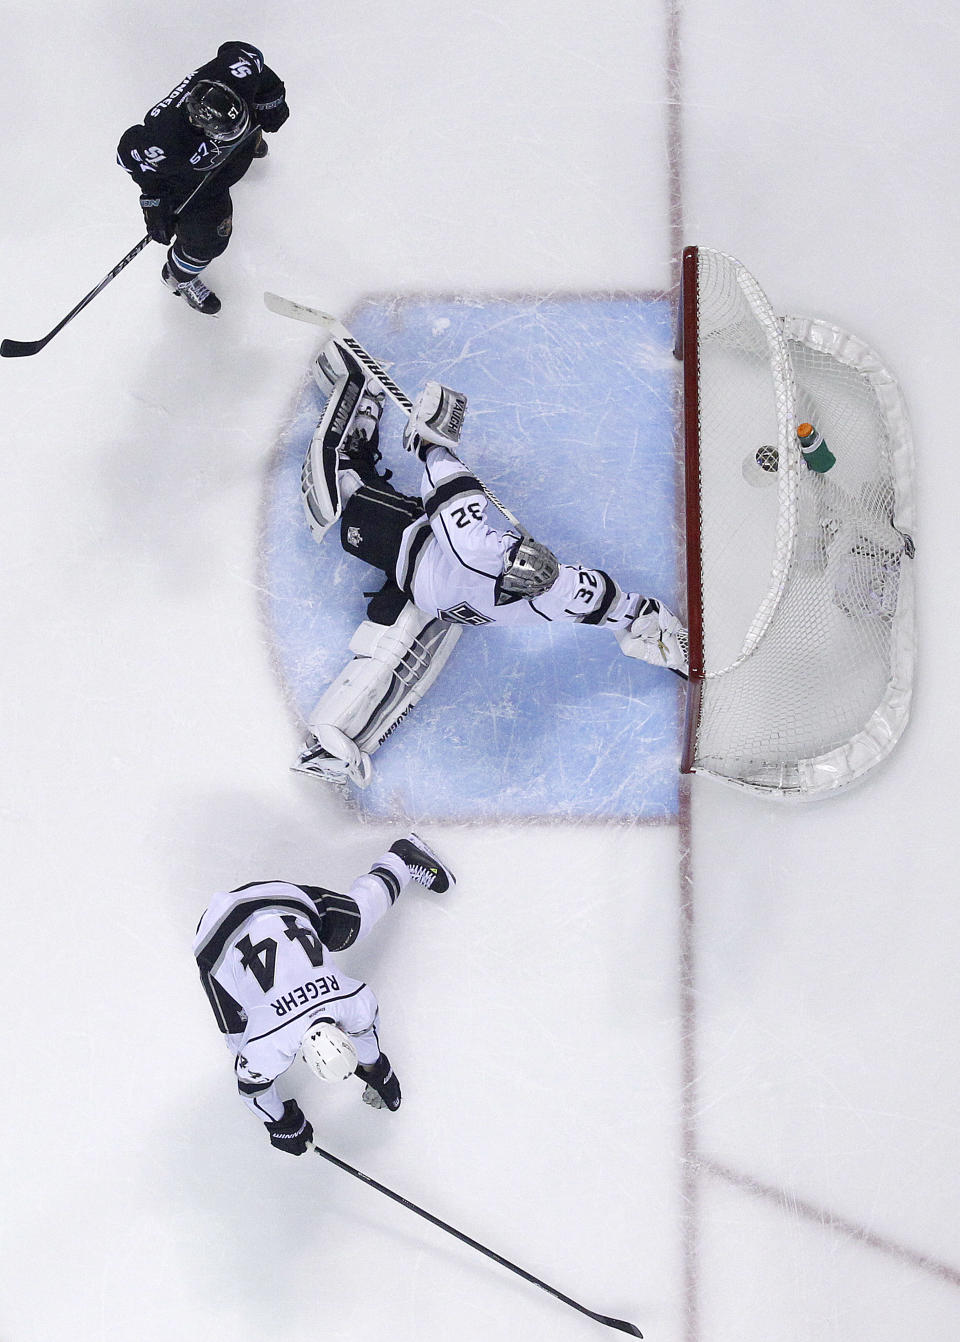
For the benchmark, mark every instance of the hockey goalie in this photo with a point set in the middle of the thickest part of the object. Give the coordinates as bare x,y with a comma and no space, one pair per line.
447,564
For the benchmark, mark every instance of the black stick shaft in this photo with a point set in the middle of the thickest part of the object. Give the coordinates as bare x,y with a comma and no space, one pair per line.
14,349
620,1324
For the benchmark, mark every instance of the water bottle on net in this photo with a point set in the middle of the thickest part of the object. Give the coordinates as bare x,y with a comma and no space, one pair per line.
816,454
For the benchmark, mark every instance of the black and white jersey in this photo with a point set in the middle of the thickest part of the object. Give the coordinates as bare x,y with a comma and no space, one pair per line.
167,156
451,562
267,962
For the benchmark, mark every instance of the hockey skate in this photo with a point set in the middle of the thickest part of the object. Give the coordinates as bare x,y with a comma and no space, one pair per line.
423,864
344,452
331,755
655,635
198,296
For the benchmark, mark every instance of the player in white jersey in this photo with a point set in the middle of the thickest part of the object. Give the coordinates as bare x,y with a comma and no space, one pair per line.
447,562
265,955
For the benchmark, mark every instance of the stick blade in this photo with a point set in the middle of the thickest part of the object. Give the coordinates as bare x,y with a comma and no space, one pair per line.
621,1325
286,307
17,349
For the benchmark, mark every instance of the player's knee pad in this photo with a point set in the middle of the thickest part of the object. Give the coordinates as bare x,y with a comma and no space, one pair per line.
206,246
393,667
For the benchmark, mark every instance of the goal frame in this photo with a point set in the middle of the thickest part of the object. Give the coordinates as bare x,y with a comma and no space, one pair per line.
843,760
686,350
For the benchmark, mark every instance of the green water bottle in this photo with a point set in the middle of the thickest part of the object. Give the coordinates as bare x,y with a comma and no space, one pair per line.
816,454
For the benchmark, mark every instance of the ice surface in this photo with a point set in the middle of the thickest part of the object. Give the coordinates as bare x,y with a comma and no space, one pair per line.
704,1076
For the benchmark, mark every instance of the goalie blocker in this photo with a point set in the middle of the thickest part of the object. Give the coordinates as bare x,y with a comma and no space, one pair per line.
436,420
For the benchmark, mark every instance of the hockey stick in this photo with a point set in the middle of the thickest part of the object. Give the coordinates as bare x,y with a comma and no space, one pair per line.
15,349
286,307
621,1325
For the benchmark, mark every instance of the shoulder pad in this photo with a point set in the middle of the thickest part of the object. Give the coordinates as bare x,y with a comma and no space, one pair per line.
241,55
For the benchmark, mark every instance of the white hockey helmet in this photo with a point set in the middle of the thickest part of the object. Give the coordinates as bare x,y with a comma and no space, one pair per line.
328,1052
530,570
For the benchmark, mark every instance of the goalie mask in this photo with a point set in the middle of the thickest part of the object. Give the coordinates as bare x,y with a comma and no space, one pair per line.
218,111
328,1052
531,569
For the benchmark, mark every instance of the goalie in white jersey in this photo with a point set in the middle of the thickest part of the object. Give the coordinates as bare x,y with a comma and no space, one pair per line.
265,955
447,562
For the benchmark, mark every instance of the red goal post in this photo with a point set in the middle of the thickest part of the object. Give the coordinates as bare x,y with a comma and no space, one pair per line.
800,582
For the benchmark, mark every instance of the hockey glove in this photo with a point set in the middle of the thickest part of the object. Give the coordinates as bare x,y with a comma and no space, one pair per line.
159,218
655,635
271,115
292,1132
383,1088
435,420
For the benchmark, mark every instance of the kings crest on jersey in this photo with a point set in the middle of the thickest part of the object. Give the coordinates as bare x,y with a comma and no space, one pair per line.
167,151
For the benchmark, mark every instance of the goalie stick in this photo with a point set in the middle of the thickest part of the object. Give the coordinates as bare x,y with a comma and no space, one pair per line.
286,307
16,349
621,1325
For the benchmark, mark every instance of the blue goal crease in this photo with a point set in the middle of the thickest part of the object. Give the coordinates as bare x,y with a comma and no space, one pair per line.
571,421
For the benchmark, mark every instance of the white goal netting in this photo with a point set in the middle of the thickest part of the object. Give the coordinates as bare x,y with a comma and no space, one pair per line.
800,583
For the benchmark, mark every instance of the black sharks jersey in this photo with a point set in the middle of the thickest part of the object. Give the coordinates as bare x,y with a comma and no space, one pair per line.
167,156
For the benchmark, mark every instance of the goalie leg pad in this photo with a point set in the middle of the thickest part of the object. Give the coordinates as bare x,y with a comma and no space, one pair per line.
392,669
328,478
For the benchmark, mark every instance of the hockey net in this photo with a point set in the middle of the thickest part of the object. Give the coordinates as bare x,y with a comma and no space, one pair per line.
799,583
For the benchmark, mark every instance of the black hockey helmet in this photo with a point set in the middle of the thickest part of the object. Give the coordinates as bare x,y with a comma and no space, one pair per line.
218,111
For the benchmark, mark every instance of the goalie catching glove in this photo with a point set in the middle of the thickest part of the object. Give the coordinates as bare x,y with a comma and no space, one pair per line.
656,635
436,420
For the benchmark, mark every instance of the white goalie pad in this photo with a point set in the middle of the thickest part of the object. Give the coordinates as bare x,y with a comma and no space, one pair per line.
325,483
392,669
436,419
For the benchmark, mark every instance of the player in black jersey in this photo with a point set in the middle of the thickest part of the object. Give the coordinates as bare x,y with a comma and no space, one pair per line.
213,119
